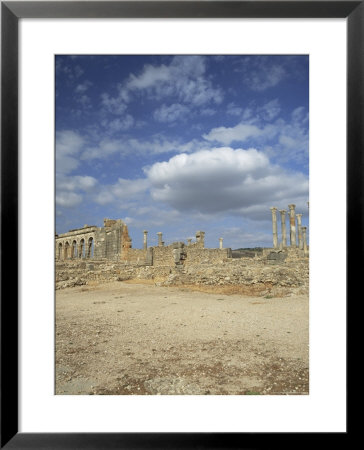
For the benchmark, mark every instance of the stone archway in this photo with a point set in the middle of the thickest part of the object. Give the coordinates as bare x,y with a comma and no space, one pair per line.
59,254
90,248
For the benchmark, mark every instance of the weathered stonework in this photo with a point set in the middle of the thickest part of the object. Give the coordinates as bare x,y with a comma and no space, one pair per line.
107,242
105,254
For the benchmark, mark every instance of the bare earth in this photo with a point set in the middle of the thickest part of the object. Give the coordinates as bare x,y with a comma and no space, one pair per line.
137,338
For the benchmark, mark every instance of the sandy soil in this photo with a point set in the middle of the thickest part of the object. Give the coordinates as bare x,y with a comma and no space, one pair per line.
128,338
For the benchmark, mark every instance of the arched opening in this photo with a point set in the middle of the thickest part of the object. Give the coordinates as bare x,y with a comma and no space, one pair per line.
66,250
90,248
59,251
82,248
74,249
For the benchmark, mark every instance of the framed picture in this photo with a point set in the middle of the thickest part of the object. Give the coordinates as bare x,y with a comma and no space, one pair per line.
56,101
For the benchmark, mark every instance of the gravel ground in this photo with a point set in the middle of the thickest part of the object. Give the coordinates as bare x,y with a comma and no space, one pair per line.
137,338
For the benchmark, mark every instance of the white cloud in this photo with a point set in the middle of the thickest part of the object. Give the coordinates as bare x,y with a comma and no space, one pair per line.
70,190
115,105
78,182
68,147
270,110
260,73
293,142
285,140
153,216
207,112
240,133
170,113
119,124
105,148
68,142
234,110
184,78
71,72
150,76
83,87
68,199
158,144
85,101
223,180
125,190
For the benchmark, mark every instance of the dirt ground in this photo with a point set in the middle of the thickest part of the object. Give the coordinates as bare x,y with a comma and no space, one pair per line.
137,338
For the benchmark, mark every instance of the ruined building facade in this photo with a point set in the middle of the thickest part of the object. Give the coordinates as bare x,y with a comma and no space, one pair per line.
107,242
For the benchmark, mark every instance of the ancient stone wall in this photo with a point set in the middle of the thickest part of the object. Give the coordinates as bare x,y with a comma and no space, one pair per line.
246,275
163,256
196,255
78,243
134,256
92,242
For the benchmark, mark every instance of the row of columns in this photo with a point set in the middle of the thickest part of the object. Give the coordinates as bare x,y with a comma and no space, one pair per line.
302,237
83,249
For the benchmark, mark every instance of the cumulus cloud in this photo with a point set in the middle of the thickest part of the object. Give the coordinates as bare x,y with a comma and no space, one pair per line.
224,180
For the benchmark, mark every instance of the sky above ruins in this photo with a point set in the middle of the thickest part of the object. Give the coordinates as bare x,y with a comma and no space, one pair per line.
179,144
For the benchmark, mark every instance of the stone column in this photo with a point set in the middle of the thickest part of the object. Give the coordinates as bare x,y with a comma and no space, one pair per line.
200,238
220,243
292,225
189,241
160,242
299,226
283,223
304,240
145,239
274,222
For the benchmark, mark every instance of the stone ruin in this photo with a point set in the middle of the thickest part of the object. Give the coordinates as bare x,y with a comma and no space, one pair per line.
105,253
112,242
297,234
107,242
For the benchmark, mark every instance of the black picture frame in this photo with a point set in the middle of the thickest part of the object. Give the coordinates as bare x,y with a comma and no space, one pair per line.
11,12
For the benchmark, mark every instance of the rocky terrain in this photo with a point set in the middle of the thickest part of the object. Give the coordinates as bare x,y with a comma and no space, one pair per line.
137,338
247,276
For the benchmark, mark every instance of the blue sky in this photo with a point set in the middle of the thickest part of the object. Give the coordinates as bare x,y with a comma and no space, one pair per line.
182,143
